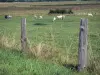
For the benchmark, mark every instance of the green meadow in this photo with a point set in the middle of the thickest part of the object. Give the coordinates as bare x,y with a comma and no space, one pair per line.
52,46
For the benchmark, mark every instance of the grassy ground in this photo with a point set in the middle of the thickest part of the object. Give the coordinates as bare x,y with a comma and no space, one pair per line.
15,63
53,45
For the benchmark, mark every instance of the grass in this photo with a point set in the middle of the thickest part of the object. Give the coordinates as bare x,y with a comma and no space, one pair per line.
53,45
13,62
49,33
52,41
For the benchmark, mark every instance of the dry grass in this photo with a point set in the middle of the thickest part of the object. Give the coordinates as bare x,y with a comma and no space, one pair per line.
94,66
27,4
93,61
24,12
47,52
40,50
7,42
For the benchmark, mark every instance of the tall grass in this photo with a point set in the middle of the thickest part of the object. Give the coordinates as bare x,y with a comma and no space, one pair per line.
41,50
8,42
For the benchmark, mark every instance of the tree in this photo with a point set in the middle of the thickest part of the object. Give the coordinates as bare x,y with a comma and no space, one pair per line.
3,0
10,0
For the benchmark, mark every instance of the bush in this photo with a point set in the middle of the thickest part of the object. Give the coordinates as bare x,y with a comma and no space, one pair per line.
51,11
70,11
10,0
64,11
61,11
58,11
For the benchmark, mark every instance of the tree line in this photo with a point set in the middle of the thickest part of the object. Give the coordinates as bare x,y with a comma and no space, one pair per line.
41,0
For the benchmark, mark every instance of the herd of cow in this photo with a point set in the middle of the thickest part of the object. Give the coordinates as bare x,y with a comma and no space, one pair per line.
57,17
41,17
54,18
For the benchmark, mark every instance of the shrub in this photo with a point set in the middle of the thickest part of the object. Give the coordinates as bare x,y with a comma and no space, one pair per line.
10,0
70,11
51,11
58,11
64,11
61,11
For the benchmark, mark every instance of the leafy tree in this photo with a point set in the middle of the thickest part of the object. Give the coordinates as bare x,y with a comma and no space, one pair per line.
41,0
3,0
10,0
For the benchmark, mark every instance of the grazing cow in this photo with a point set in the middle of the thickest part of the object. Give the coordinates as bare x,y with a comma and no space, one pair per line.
61,16
54,19
40,17
35,16
8,16
90,14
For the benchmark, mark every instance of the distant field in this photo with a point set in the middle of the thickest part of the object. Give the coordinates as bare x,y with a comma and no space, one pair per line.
55,43
26,4
29,8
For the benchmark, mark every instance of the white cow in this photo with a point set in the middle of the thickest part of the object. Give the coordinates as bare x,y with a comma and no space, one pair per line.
54,19
58,17
35,16
61,16
8,16
90,14
40,17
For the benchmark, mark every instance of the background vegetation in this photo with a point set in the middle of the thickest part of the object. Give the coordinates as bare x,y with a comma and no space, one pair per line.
41,0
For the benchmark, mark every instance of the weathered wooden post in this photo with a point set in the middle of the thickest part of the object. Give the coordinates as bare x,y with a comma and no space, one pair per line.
23,34
82,56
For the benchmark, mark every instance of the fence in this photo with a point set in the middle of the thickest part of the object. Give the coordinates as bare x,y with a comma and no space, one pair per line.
82,52
23,34
82,62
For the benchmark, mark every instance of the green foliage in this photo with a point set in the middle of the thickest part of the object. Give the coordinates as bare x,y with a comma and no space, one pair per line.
15,63
10,0
70,11
61,11
41,0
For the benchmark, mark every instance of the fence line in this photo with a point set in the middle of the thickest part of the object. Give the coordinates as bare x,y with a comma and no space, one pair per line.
82,53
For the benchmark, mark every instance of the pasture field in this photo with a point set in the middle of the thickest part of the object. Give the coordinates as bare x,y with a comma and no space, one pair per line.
53,45
30,8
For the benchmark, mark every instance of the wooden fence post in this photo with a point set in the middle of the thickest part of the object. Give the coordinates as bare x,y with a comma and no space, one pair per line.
23,34
82,56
